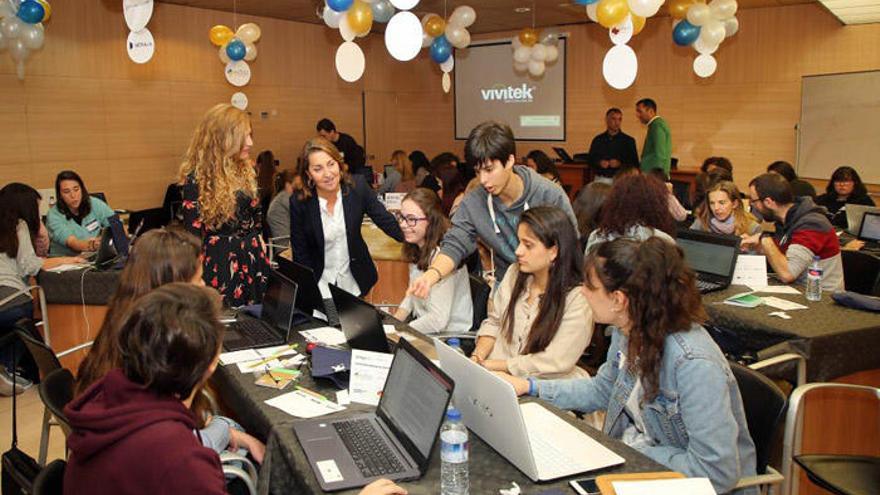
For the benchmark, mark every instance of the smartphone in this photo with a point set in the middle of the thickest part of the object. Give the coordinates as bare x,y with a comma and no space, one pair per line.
586,486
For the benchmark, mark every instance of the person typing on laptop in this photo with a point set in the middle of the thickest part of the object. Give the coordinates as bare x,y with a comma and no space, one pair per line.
667,388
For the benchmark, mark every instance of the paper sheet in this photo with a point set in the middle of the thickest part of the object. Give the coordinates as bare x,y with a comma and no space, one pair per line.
368,373
255,354
342,398
324,335
775,302
751,270
691,486
776,289
304,405
286,361
68,267
389,329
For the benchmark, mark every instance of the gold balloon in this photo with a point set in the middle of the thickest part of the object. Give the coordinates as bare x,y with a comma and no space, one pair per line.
638,23
678,9
529,36
611,12
435,26
220,35
360,17
47,9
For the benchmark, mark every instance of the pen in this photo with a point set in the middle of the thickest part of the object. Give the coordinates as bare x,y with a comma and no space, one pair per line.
274,356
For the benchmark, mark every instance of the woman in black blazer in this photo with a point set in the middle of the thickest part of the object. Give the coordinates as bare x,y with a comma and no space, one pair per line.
326,212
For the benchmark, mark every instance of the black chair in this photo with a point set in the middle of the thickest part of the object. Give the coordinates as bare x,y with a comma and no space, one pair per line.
56,390
47,363
50,479
480,291
861,272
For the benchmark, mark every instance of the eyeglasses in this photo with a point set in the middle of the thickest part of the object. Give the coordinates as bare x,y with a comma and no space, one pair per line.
410,220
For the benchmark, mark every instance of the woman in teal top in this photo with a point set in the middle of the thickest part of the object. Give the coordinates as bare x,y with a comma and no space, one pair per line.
74,224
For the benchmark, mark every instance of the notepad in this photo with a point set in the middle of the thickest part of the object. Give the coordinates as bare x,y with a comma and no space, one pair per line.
690,486
303,404
324,335
368,373
245,355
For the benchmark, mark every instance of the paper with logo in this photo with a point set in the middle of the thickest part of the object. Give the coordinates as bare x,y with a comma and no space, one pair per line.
691,486
303,404
751,270
368,373
324,335
783,304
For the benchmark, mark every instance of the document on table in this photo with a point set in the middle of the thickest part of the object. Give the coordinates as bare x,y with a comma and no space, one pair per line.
303,404
691,486
68,267
324,335
776,289
256,354
778,303
368,373
751,270
389,329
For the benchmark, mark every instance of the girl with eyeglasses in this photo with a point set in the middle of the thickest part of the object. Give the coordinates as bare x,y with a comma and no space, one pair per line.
845,187
448,308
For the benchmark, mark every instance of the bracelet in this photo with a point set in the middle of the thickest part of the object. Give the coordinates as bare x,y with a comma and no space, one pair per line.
439,275
533,387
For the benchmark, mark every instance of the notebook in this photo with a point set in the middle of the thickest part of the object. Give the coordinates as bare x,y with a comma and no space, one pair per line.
276,318
711,256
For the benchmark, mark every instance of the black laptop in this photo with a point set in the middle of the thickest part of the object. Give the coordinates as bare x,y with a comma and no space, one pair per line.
113,250
361,322
711,256
276,318
870,231
308,298
395,441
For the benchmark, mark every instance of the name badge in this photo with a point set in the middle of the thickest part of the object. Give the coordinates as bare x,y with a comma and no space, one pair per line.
94,225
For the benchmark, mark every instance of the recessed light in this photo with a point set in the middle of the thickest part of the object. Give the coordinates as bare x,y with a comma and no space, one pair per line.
522,10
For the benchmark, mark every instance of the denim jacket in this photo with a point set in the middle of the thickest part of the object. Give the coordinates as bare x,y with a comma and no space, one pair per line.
697,420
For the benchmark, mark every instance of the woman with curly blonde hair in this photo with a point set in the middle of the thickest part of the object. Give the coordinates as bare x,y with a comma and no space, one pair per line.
221,205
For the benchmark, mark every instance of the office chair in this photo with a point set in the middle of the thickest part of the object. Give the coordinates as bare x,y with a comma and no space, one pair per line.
50,479
56,390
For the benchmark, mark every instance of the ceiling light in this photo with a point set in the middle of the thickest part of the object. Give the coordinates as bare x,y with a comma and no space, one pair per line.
522,10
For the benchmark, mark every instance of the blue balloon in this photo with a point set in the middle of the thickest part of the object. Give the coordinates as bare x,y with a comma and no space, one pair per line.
31,12
441,49
685,33
339,5
235,49
585,2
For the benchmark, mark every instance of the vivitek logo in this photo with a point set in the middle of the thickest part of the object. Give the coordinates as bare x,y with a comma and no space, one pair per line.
508,94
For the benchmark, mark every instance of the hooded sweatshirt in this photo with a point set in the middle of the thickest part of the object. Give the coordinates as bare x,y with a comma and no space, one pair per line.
473,219
806,232
128,440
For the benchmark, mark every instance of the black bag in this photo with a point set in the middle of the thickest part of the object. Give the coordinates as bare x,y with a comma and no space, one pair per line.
19,469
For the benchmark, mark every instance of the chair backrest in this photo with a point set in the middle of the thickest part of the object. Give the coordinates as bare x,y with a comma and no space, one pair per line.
43,355
764,405
56,390
861,272
480,297
50,479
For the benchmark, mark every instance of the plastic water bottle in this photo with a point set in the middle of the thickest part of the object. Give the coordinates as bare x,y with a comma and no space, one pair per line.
456,345
814,281
453,455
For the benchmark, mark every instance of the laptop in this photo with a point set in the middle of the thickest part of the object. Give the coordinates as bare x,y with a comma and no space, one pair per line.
361,322
113,250
711,256
276,318
308,298
395,441
870,230
854,216
563,155
538,442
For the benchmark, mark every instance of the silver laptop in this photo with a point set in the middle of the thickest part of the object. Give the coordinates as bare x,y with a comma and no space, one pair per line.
395,441
854,216
538,442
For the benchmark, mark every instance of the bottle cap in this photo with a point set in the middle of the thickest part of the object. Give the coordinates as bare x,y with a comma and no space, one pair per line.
453,414
454,342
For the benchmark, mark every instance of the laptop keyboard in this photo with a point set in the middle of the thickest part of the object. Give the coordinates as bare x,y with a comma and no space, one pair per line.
256,332
370,452
547,455
705,286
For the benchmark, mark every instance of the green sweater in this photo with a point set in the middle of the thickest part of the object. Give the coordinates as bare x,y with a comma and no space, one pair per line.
657,151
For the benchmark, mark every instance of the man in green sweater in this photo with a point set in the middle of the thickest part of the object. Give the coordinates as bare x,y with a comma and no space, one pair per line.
657,150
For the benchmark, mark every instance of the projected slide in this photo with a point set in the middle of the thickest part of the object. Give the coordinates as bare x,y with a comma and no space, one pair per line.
487,88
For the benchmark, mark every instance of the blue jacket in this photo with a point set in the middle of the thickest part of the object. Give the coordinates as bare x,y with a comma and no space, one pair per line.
697,420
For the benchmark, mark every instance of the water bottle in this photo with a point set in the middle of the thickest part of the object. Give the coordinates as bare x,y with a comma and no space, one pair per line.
453,455
814,281
456,345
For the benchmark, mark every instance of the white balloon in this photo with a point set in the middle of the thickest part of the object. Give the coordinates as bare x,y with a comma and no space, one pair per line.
457,36
19,70
463,16
404,4
518,67
446,82
11,27
515,43
2,41
723,9
522,54
539,52
250,53
239,100
591,11
18,50
6,10
731,26
332,18
620,66
449,64
536,68
223,56
403,36
345,29
350,61
552,54
137,13
33,36
644,8
701,46
238,73
705,65
549,38
712,33
623,32
427,39
699,14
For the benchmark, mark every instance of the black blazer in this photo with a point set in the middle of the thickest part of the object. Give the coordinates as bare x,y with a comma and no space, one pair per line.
307,232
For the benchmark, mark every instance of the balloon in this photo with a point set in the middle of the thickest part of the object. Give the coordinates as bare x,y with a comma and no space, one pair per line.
623,32
723,9
528,36
611,12
19,70
522,54
620,66
731,26
638,23
705,65
552,54
220,35
536,68
520,67
585,2
345,29
360,17
435,26
463,16
446,81
404,4
331,17
701,46
699,14
31,12
427,39
644,8
223,56
685,33
515,43
47,9
18,50
403,36
549,38
235,50
11,27
33,36
250,52
591,12
458,36
448,65
539,52
339,5
382,11
248,33
441,50
2,41
6,10
350,61
678,9
713,32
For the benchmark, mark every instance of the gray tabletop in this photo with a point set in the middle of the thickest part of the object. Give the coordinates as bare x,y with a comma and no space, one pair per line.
84,286
286,470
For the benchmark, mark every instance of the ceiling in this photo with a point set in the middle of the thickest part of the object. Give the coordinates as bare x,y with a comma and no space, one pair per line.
854,11
492,15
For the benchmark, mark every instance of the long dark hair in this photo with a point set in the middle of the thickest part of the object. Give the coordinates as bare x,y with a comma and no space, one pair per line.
265,174
20,202
843,174
553,228
636,200
662,294
588,207
85,204
543,164
438,224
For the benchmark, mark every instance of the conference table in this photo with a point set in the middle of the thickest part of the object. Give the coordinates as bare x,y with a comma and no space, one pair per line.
286,469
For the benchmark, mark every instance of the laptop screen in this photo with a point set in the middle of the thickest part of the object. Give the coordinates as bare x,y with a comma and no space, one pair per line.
870,227
278,301
707,257
414,399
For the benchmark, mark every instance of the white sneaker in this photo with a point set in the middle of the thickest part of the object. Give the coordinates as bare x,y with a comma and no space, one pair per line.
21,383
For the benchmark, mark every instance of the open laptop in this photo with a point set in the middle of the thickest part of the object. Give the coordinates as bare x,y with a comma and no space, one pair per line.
308,298
538,442
276,318
361,322
711,256
395,441
563,155
870,231
854,216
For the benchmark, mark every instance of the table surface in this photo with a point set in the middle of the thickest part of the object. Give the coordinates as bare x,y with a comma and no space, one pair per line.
286,469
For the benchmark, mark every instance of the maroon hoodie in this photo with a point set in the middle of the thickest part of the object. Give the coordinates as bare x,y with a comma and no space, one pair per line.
128,440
